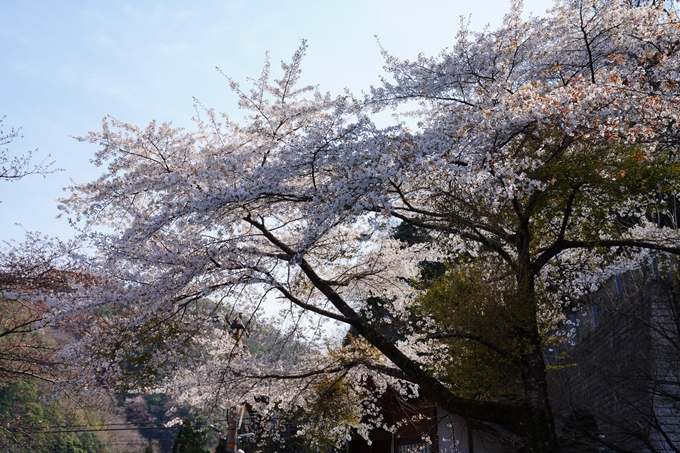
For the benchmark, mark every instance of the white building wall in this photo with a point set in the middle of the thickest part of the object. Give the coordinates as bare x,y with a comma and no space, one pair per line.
455,434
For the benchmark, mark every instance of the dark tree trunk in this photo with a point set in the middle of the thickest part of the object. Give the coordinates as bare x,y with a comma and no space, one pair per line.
538,430
538,425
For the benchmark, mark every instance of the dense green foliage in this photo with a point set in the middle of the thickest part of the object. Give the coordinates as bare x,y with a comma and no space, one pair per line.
476,322
30,425
190,439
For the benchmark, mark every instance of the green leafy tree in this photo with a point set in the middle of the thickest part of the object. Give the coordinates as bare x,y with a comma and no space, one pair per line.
475,321
190,439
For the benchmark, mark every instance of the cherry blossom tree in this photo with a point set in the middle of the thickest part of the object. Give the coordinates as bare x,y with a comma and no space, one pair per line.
29,272
537,161
13,168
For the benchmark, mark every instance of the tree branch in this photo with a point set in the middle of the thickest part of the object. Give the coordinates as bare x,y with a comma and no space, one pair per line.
478,338
489,411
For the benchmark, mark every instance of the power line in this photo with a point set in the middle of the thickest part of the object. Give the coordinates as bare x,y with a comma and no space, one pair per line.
99,430
90,428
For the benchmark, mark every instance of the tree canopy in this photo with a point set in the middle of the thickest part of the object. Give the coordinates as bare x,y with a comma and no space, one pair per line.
541,163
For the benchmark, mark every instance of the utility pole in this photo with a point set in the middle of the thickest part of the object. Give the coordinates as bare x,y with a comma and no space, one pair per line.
234,413
232,432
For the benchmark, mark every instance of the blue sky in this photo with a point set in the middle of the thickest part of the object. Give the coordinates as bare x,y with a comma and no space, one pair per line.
65,65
